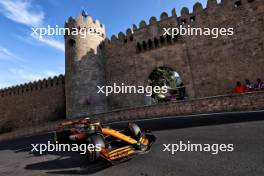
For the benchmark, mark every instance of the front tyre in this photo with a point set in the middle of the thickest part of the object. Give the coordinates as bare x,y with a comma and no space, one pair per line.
98,142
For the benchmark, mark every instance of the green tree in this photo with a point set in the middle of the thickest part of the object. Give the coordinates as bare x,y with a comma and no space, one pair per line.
162,76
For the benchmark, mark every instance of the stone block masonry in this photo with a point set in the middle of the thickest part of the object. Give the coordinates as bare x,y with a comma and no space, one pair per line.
208,66
216,104
32,104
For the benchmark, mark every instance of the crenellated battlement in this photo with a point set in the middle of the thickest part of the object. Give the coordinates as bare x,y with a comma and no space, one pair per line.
33,86
130,32
85,22
186,17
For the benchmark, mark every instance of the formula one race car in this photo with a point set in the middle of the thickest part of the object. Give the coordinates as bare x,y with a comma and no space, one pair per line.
116,146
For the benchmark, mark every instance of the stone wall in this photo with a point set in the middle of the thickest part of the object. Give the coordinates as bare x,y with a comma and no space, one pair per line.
222,103
32,104
207,66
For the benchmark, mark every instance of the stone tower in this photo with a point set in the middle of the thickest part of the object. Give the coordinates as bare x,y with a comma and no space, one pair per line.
85,68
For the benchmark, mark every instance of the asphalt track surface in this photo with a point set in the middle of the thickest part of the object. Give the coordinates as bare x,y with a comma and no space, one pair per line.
244,130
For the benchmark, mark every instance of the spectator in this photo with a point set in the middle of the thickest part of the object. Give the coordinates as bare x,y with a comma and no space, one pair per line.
249,86
239,88
259,85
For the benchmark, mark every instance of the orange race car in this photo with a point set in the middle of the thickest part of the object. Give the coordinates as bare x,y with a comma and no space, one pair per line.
115,146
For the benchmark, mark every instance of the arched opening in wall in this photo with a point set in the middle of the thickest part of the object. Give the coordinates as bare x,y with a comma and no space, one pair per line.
144,46
156,42
183,21
150,43
192,18
168,39
138,47
162,40
166,85
238,3
72,42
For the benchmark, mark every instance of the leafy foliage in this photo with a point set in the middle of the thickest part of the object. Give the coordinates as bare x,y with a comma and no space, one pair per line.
162,76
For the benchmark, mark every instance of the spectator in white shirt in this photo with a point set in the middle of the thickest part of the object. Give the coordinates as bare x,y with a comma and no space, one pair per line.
249,86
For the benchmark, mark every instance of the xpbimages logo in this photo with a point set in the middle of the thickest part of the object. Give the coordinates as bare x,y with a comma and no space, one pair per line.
50,147
192,147
129,89
195,31
51,31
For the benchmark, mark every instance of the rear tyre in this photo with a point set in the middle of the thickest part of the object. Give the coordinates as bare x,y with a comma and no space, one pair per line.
98,141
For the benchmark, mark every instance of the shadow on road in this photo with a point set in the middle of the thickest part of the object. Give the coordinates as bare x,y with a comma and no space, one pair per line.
64,163
71,164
